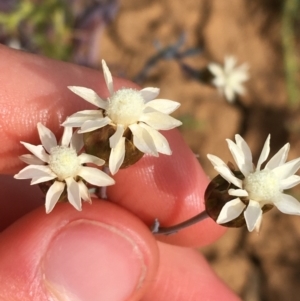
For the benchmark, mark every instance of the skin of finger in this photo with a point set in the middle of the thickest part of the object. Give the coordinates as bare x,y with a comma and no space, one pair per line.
36,91
184,274
23,244
17,199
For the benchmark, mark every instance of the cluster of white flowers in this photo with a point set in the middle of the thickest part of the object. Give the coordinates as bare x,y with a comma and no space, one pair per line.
134,117
126,109
259,187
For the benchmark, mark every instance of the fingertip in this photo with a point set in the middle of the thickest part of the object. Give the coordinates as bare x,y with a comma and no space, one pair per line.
101,253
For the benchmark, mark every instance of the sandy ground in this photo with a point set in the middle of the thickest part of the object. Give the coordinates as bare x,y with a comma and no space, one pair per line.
264,266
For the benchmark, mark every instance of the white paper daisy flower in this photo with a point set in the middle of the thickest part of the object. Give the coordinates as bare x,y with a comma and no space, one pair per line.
229,79
127,109
61,164
260,186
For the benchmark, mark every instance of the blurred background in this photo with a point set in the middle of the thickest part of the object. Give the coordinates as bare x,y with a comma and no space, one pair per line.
164,43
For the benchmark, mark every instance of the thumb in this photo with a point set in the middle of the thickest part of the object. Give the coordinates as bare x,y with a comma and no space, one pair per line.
101,253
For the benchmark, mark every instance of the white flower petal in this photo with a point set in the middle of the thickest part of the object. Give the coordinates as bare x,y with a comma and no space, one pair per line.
239,158
76,122
230,211
258,223
35,171
227,174
238,192
90,96
143,140
84,192
242,72
86,158
37,150
236,152
160,142
149,93
88,113
73,193
108,78
229,63
289,182
216,161
77,141
77,119
53,195
220,83
117,155
264,153
252,215
229,93
239,88
279,158
47,137
160,121
116,137
92,125
287,169
243,146
41,179
66,137
215,69
95,176
165,106
31,159
288,204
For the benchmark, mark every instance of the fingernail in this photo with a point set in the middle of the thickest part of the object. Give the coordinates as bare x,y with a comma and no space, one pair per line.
91,261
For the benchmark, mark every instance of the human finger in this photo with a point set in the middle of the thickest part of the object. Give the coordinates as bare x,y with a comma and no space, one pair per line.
101,253
17,199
